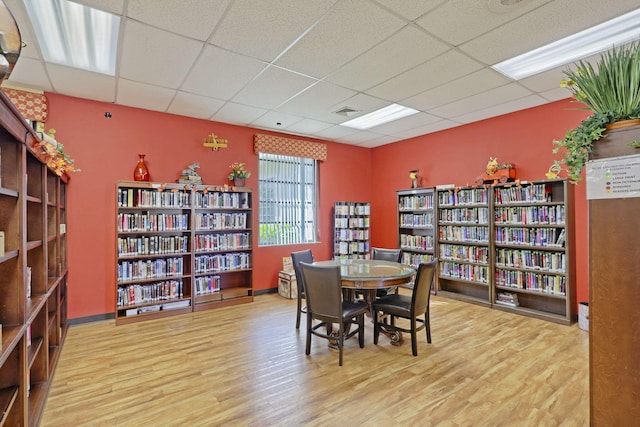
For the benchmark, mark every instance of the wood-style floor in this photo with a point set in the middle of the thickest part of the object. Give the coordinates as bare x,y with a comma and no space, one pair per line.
245,366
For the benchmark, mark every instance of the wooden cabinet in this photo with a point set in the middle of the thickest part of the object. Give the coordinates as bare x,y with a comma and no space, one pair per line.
351,230
509,246
464,230
181,248
416,225
33,270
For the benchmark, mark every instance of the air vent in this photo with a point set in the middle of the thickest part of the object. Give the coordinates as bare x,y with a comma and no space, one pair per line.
347,111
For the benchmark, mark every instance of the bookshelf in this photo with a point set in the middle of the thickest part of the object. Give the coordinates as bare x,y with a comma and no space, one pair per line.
351,230
33,270
533,223
416,225
464,244
181,248
509,246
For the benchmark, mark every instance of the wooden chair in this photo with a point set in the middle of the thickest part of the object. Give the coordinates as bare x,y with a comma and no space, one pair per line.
296,258
385,254
323,290
408,307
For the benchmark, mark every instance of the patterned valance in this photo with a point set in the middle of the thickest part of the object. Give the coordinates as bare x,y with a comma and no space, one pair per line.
289,147
32,106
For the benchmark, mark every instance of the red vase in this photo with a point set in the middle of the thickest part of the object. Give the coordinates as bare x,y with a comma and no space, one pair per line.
141,173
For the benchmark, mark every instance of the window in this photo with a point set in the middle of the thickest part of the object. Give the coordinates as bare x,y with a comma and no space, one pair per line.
288,193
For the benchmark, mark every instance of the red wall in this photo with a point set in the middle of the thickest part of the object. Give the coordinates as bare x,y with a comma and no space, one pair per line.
106,152
457,156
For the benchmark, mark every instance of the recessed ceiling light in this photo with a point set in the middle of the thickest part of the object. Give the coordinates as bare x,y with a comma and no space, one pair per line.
384,115
75,35
615,32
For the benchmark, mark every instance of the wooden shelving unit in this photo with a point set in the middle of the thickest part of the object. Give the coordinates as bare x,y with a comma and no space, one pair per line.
416,225
351,230
181,249
33,270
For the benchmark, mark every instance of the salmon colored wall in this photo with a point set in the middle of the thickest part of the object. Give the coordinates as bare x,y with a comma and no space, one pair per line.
106,151
458,155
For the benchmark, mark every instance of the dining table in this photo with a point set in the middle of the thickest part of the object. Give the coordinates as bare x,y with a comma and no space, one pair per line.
366,276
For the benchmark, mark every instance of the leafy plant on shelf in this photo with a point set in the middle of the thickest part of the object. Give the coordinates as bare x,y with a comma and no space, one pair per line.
238,170
611,90
56,158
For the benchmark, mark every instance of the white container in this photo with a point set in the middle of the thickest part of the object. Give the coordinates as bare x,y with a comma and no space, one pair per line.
583,316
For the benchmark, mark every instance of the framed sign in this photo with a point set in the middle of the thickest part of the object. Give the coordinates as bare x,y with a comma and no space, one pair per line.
613,178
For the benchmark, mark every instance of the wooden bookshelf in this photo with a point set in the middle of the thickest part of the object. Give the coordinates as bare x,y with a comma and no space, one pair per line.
416,225
464,270
33,270
351,230
181,248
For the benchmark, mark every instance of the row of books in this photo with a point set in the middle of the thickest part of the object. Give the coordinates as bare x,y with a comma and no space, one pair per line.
470,215
414,259
207,285
470,272
507,298
535,282
166,306
349,234
352,208
149,293
222,262
465,253
352,222
410,241
152,245
417,202
462,233
143,198
547,237
145,221
221,220
416,220
346,248
470,196
149,269
535,193
222,242
530,214
217,199
540,260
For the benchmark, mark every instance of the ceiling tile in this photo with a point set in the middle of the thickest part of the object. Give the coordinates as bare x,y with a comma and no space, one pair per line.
400,52
481,101
237,114
190,105
469,85
409,122
308,126
81,83
113,6
275,120
190,18
377,142
264,29
30,73
410,9
433,73
273,87
505,108
426,129
142,95
156,57
317,100
361,102
353,25
221,74
336,132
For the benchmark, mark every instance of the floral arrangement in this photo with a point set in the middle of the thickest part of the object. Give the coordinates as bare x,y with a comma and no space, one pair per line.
55,156
238,170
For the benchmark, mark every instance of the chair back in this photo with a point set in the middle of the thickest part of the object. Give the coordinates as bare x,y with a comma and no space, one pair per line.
386,254
323,290
296,258
422,287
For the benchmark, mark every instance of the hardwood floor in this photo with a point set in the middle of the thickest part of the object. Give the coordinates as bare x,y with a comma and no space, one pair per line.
245,365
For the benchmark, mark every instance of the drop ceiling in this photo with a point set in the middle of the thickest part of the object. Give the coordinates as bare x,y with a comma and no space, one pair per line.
290,65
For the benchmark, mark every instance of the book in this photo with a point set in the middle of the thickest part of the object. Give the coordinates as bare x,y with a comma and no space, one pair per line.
508,299
1,243
28,281
561,238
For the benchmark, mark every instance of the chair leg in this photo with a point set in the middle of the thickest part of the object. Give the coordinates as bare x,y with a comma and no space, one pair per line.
299,311
414,341
376,327
309,324
340,345
361,330
427,326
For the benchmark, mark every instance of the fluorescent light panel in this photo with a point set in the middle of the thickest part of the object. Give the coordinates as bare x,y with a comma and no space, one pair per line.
75,35
618,31
384,115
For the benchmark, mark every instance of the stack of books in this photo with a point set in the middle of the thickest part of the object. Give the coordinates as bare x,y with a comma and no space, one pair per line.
508,299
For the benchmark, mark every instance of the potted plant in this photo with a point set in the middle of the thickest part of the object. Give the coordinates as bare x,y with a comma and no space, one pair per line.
611,90
239,174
